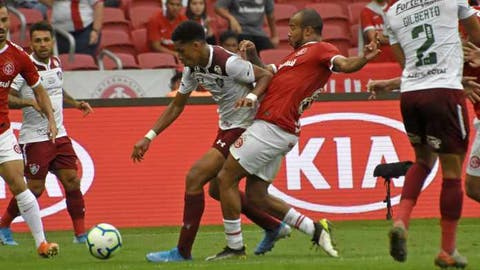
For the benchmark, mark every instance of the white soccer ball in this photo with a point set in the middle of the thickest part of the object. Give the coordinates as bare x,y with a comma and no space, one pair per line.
103,241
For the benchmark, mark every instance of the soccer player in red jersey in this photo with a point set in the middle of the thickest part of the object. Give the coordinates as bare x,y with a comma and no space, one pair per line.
229,79
40,154
14,61
257,154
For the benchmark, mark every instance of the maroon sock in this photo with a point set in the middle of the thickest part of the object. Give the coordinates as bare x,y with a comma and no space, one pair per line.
451,202
192,214
259,217
412,186
76,209
11,213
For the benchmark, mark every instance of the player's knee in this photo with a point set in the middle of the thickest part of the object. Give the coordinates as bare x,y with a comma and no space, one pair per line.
71,183
193,182
213,190
37,190
472,188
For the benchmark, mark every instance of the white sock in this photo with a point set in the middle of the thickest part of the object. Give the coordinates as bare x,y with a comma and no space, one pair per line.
299,221
30,211
233,233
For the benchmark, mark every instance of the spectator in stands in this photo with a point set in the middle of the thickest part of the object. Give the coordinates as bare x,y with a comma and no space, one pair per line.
81,18
229,41
372,26
246,19
197,11
161,25
33,4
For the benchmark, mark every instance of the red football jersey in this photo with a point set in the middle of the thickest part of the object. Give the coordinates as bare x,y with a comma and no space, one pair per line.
296,84
13,61
371,20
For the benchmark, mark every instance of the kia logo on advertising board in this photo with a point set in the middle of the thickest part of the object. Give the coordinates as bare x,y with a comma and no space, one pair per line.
330,170
53,196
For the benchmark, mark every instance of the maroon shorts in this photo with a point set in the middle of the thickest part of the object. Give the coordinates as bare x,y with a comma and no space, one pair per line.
436,117
41,157
225,138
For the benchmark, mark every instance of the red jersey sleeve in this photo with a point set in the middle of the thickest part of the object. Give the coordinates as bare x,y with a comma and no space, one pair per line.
366,19
28,70
153,27
325,53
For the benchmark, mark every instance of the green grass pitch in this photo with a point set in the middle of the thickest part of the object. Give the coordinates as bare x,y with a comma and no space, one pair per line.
363,245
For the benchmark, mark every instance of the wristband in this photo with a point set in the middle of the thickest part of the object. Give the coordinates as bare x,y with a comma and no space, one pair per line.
151,135
252,97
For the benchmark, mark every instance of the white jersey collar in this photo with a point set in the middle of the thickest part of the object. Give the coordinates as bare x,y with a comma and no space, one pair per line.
34,60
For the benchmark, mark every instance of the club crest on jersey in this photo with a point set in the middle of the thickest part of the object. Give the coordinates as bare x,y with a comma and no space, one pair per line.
217,69
301,52
34,168
8,68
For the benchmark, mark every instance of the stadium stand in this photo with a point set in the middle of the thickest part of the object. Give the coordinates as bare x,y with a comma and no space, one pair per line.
152,60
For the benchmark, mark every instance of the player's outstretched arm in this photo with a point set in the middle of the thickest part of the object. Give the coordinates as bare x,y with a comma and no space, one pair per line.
81,105
45,104
248,51
355,63
376,87
16,102
174,109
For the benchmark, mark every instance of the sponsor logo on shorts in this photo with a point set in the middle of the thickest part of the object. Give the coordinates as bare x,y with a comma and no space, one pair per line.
434,142
332,171
17,149
475,162
34,168
239,142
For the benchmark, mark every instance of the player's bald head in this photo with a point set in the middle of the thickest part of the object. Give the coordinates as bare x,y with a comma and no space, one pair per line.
310,18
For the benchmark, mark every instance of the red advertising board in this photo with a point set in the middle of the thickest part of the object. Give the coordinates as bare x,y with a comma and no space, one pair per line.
329,173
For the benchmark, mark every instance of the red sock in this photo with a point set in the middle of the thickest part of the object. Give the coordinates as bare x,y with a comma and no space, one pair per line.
11,213
451,202
76,209
192,214
259,217
414,180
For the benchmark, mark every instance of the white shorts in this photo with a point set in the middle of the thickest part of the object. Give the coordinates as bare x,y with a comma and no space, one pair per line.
260,149
473,166
9,148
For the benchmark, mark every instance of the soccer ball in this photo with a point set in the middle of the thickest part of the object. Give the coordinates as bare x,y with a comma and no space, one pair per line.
103,241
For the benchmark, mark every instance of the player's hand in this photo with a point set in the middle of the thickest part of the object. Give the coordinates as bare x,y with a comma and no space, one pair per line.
245,102
471,54
52,130
85,108
375,87
139,149
372,49
472,89
245,48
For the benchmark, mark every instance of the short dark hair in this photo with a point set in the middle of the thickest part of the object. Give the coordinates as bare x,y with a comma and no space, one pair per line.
190,14
41,26
310,17
188,31
227,35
